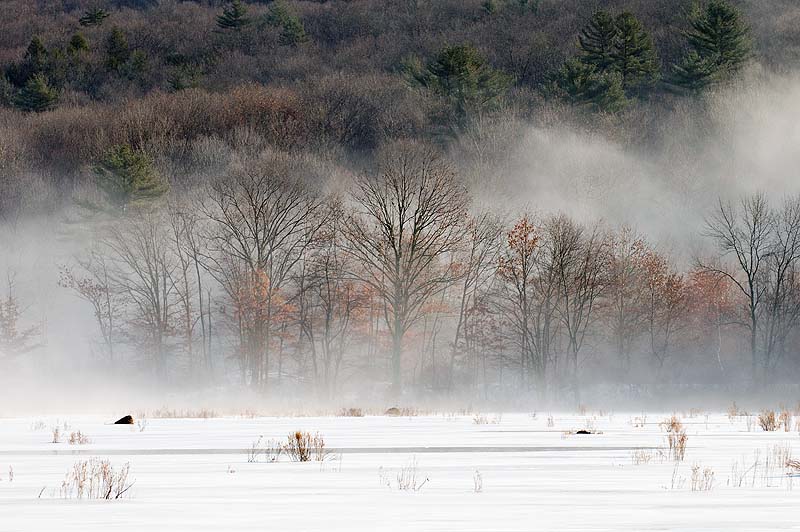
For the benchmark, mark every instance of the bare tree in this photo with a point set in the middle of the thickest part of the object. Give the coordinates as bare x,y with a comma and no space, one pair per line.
626,295
581,262
263,219
477,264
91,282
186,229
743,235
518,268
142,270
782,304
15,340
409,218
331,301
666,305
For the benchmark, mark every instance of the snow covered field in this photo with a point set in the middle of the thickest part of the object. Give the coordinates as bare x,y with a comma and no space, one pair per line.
518,472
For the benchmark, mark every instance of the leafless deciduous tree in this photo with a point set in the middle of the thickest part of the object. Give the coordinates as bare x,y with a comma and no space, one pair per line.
477,263
745,237
332,305
142,269
409,217
90,280
581,261
263,219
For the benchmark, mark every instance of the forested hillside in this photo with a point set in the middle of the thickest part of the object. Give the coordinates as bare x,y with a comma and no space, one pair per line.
341,78
477,197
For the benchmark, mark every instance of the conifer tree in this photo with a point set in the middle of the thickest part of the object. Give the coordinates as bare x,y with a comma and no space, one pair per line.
233,17
596,40
93,17
584,84
719,45
117,50
292,31
6,91
633,54
126,177
463,77
37,95
35,61
78,43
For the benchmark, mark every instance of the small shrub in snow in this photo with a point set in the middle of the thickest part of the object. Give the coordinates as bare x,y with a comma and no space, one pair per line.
351,412
768,421
477,482
734,411
676,438
166,413
702,480
79,438
408,478
480,419
56,435
641,457
96,479
270,450
304,447
785,420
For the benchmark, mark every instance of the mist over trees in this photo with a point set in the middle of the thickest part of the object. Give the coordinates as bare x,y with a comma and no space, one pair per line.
323,198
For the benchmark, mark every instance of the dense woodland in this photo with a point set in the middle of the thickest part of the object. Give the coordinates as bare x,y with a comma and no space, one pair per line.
288,194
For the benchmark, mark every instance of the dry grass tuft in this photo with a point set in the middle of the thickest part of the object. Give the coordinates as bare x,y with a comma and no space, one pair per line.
79,438
271,450
481,419
785,420
351,412
768,421
477,482
676,438
702,480
641,457
408,478
166,413
304,447
96,479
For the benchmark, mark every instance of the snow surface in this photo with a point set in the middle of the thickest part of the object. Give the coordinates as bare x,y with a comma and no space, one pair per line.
193,475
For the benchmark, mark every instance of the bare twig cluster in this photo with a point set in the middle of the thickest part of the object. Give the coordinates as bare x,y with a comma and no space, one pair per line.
676,438
96,479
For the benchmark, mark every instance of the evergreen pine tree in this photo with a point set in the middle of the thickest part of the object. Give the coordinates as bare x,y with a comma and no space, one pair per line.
126,177
233,17
35,61
117,50
462,76
584,84
633,54
596,40
77,44
36,56
93,17
37,95
6,91
292,31
718,46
